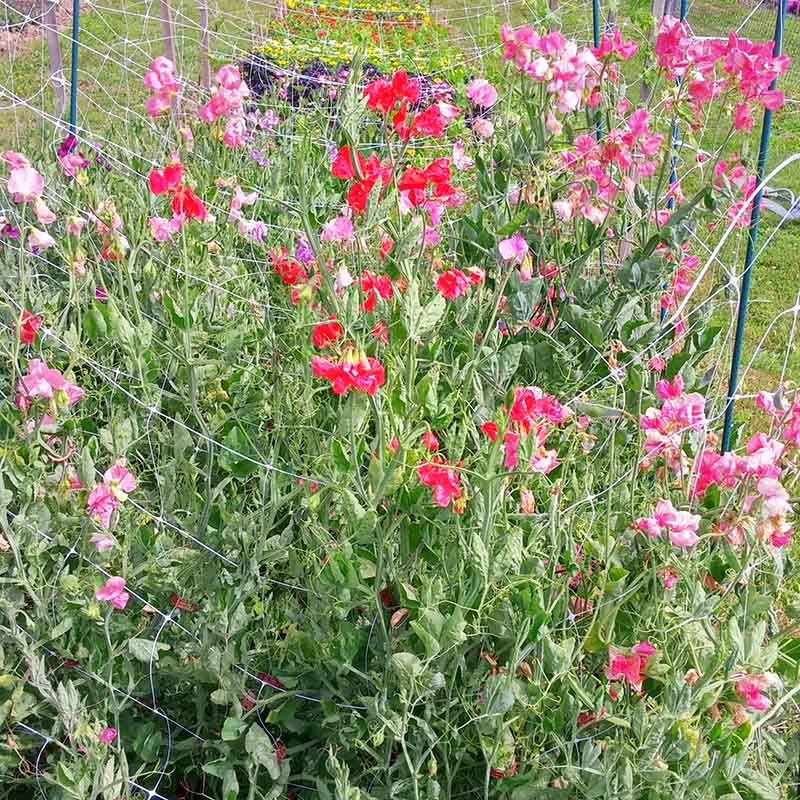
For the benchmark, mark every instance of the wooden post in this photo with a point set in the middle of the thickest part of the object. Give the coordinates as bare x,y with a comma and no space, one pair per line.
56,65
169,31
660,8
280,10
554,5
205,65
170,51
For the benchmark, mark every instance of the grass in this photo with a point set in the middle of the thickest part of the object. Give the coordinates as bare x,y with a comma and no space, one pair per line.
119,38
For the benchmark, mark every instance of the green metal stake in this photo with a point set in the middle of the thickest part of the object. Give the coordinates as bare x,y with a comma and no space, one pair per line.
752,237
73,89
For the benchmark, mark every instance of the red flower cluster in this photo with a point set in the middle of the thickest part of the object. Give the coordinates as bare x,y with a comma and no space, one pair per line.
289,269
498,774
183,604
30,324
373,285
356,370
414,181
382,94
184,201
439,474
369,171
326,332
453,282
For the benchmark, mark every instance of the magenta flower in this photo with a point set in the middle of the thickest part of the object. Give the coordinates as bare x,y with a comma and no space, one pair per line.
481,92
113,591
164,229
49,384
101,504
108,735
514,249
751,688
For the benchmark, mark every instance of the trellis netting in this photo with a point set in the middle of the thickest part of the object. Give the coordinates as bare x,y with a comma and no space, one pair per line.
222,580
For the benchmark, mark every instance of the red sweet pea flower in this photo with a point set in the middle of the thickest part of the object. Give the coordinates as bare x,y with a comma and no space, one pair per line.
386,246
442,478
186,202
413,178
382,284
326,332
183,604
490,429
358,194
452,283
30,324
356,371
439,171
342,166
430,441
166,180
270,680
380,96
381,332
290,269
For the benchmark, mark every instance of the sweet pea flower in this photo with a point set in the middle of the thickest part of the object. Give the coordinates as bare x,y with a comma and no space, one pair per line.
752,687
514,249
75,225
481,92
43,212
40,240
72,163
235,134
15,160
338,229
120,481
28,327
629,668
101,504
483,127
102,542
47,383
164,229
682,525
107,735
113,592
25,184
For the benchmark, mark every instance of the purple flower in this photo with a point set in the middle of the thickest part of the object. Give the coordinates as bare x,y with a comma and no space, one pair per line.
100,293
259,157
10,231
304,253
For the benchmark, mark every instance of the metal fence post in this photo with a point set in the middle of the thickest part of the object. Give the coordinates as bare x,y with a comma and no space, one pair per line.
752,237
73,72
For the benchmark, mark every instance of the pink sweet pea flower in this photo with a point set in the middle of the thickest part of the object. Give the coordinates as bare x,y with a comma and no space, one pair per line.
514,249
113,592
72,162
164,229
751,688
511,448
101,541
481,92
629,667
75,225
40,240
101,504
460,159
483,127
120,481
235,134
15,160
107,735
682,525
25,184
657,364
544,461
338,229
43,213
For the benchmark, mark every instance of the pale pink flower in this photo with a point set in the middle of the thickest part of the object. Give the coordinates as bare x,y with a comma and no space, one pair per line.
15,160
40,240
229,77
113,592
527,501
43,213
101,541
107,735
483,127
544,461
448,111
514,249
682,525
343,279
45,382
75,225
460,159
775,497
72,162
25,184
239,200
120,481
338,229
553,124
164,229
564,210
481,92
101,504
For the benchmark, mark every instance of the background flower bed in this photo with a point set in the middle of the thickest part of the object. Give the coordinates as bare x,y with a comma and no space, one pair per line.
480,649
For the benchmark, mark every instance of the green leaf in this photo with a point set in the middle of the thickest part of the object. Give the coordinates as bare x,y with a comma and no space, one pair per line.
340,459
758,785
145,649
231,729
260,748
230,785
